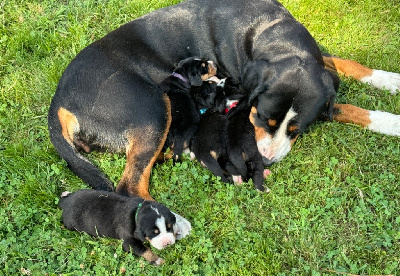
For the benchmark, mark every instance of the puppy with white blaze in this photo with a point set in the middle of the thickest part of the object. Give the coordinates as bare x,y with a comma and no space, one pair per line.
131,219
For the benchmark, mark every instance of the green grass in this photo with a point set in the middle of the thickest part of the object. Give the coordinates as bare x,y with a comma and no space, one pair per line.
335,199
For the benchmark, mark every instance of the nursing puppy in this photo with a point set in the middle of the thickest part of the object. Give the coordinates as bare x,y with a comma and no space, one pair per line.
189,73
225,141
132,219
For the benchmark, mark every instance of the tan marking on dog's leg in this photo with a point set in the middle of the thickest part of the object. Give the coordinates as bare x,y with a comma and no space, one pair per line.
152,258
352,114
135,147
347,67
69,124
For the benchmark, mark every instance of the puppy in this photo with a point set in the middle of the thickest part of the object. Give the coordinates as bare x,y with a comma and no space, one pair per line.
189,73
225,139
209,142
132,219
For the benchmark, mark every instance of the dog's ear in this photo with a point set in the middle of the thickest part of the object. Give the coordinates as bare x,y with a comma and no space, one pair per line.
256,79
330,107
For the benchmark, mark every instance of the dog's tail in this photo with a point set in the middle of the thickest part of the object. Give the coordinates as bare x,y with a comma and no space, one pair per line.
76,162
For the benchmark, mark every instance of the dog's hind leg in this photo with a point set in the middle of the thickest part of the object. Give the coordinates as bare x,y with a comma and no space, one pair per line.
349,68
144,147
63,124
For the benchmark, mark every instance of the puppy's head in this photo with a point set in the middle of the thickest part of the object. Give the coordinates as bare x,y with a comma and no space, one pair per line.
154,223
196,70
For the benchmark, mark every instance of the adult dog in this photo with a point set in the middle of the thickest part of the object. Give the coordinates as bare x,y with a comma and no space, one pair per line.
108,97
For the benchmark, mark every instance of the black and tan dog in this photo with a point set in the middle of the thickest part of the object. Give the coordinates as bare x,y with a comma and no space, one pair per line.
109,95
189,73
132,219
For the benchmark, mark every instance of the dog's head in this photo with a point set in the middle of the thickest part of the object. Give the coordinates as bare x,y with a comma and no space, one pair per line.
155,223
286,99
196,70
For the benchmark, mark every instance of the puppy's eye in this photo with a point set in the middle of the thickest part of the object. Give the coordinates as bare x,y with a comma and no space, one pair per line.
156,231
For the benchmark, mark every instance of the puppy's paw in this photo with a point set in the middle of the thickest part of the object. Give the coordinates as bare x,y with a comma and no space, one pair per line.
237,179
266,173
158,262
182,227
64,194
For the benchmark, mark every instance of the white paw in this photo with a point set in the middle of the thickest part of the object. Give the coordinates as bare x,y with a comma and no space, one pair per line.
237,179
384,122
384,80
159,261
66,193
192,156
182,227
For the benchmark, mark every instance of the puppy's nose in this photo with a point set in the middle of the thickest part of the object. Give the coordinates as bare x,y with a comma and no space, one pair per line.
166,242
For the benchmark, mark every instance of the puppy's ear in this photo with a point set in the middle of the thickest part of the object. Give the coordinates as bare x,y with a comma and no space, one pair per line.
138,234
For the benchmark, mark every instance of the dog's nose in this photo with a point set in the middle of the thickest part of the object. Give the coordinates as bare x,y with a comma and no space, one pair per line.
267,162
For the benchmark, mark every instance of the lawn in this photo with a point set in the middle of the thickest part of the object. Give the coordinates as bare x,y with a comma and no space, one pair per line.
335,200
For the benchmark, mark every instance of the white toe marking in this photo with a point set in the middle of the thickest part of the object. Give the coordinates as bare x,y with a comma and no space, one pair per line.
384,80
384,122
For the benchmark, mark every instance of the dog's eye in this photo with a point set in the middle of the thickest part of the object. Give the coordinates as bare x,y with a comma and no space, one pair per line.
271,122
156,231
293,131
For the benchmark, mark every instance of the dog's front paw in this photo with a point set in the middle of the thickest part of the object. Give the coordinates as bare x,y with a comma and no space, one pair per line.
182,227
384,80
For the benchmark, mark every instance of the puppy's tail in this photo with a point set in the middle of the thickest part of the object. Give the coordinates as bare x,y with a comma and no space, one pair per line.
66,149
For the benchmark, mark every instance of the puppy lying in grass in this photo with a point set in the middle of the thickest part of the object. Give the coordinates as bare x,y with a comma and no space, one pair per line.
224,141
134,220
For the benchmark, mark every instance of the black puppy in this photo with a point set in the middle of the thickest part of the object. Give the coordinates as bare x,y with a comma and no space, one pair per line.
225,140
132,219
189,73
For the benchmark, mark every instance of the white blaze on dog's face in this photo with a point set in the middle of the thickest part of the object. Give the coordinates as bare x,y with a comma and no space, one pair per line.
274,136
155,224
165,237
